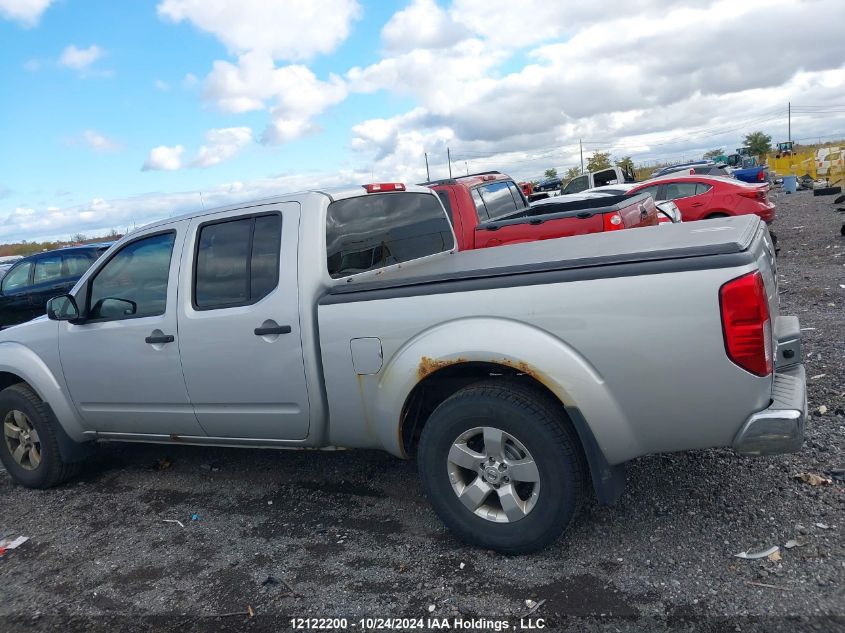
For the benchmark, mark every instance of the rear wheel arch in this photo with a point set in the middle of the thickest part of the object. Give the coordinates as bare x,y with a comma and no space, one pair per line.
608,481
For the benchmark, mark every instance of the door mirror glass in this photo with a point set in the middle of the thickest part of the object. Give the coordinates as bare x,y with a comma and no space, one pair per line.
62,308
114,308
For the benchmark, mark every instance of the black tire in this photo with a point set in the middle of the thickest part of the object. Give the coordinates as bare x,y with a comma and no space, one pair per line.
540,425
52,470
714,216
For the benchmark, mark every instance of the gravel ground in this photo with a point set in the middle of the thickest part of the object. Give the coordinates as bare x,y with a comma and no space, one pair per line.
349,534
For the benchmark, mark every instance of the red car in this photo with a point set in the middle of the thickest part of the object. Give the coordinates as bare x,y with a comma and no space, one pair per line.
704,197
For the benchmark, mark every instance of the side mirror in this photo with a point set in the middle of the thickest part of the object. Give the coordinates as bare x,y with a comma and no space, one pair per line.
62,308
114,308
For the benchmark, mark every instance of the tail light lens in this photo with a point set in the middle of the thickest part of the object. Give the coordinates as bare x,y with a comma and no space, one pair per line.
613,221
746,324
754,194
761,176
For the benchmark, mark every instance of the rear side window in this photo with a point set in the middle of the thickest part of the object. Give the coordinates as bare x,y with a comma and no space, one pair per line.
497,199
483,216
444,198
702,188
676,190
577,185
378,230
652,191
520,200
47,268
76,265
237,261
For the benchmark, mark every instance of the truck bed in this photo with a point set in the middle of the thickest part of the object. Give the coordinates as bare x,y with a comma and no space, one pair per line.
651,250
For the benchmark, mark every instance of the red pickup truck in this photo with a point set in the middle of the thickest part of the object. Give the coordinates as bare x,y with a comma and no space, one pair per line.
489,209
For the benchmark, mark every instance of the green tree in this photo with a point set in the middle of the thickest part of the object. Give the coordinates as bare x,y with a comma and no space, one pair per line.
626,163
572,172
599,160
550,173
759,143
713,153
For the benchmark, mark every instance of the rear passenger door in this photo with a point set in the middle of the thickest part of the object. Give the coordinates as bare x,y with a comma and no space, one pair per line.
239,328
690,197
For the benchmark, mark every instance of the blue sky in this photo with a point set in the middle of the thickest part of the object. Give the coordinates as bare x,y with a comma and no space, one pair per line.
118,113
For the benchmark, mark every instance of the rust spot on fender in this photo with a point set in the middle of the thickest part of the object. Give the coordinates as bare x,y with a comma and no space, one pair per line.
428,365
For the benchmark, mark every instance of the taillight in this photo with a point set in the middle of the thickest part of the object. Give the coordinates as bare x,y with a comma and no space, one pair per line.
384,186
613,221
746,324
754,194
761,175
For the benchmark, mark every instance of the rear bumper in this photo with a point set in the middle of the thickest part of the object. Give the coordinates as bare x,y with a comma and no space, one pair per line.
780,427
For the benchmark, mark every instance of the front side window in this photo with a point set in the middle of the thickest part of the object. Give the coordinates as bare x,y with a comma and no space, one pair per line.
48,268
237,261
377,230
136,275
676,190
17,278
498,199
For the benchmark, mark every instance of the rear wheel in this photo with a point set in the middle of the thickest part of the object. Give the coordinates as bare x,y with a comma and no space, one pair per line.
28,448
502,467
713,216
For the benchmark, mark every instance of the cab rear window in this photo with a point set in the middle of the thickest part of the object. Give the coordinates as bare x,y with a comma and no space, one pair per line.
377,230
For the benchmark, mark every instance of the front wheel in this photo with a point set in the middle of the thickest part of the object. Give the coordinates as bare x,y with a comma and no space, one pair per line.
502,467
28,446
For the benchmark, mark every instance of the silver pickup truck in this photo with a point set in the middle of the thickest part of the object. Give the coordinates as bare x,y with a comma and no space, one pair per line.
516,376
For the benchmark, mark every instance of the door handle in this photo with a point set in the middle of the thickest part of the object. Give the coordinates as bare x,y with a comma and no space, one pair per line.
164,338
274,329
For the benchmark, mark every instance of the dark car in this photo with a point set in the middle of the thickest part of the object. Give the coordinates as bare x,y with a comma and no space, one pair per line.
550,184
32,281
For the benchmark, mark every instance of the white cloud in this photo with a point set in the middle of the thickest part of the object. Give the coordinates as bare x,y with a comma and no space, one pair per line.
644,80
222,144
99,142
422,24
25,12
294,93
161,85
32,65
290,30
99,216
164,158
190,80
80,58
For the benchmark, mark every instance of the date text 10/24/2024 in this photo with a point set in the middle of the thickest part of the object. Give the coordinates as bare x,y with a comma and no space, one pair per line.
418,624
